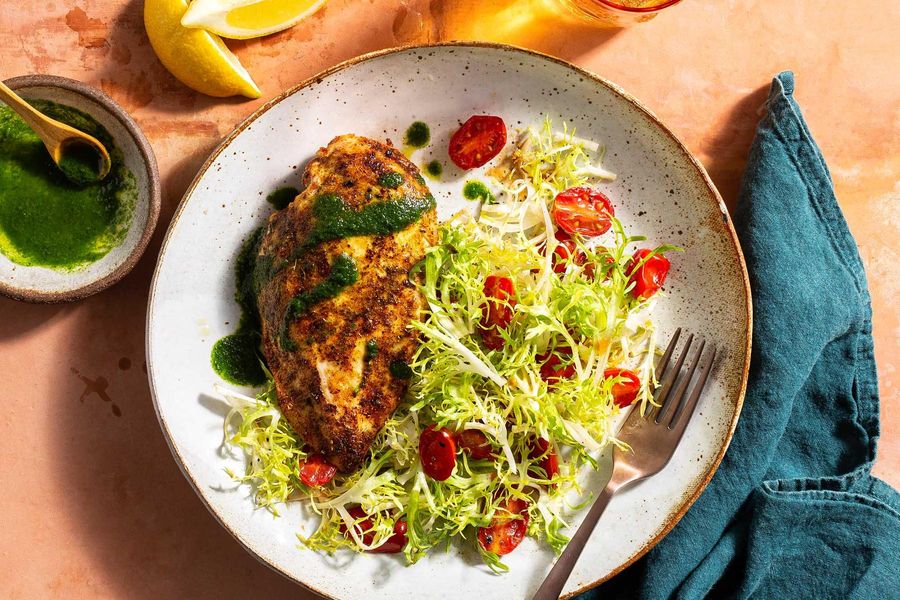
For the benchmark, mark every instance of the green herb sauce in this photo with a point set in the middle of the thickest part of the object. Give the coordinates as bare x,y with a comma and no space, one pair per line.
476,190
400,369
280,198
418,135
335,220
434,169
391,180
45,219
343,274
236,357
246,291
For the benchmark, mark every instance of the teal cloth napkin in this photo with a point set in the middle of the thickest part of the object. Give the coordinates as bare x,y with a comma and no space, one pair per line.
793,511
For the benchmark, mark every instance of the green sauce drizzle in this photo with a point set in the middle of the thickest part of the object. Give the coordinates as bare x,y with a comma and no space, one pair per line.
47,220
335,220
343,274
390,180
236,358
400,369
281,197
434,169
418,135
244,270
476,190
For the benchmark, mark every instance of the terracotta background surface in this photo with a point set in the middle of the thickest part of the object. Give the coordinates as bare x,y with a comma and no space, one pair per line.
93,504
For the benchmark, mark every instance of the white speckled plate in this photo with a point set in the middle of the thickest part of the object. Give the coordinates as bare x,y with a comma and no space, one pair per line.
661,192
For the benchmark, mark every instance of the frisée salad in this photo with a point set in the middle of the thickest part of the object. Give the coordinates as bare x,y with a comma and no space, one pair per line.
537,334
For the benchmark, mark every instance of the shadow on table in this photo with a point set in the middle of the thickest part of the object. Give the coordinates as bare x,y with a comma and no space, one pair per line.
727,155
29,318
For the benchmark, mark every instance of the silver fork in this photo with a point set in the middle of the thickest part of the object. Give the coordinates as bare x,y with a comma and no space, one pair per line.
653,438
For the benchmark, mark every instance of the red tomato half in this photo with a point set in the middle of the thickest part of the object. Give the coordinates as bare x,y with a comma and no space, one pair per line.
582,210
437,449
315,471
497,313
480,139
506,531
647,277
474,443
394,544
550,462
363,526
625,391
552,369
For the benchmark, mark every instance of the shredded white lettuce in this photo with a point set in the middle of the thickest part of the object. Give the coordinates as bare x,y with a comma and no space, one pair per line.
459,384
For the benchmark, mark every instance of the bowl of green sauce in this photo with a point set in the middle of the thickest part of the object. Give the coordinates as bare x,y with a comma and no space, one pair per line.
60,241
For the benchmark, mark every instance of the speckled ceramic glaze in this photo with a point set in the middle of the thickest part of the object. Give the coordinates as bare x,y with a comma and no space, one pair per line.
661,192
40,284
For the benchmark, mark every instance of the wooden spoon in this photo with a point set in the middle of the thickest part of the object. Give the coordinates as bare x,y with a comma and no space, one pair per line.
74,152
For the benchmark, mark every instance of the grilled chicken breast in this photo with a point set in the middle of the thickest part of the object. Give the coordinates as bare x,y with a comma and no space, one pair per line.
335,298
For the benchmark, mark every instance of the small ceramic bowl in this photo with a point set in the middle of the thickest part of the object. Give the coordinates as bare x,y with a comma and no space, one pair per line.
38,284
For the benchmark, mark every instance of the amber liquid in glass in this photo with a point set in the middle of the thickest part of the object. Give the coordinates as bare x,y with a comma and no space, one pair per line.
604,14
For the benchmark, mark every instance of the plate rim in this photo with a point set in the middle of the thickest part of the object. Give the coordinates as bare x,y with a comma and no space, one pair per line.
688,500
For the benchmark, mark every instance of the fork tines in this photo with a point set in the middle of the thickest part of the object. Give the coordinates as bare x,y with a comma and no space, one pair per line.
672,394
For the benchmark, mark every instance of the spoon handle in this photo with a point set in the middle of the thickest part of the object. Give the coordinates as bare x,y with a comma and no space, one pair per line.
52,132
32,116
55,134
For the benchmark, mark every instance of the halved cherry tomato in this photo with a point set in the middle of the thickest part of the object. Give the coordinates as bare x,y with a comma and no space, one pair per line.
497,313
363,525
582,210
394,544
315,471
647,277
474,443
437,449
550,462
507,528
552,369
624,392
480,139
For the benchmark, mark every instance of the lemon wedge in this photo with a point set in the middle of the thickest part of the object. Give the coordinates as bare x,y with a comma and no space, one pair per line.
199,59
243,19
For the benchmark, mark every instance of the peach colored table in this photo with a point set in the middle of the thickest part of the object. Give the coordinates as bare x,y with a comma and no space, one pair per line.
93,504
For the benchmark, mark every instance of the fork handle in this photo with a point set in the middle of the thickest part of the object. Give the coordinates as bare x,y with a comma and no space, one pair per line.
559,574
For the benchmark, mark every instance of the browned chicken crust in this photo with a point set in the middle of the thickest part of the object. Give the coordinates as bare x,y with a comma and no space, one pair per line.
334,393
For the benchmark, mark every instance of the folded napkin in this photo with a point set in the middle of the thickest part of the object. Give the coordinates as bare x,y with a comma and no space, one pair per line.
792,511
